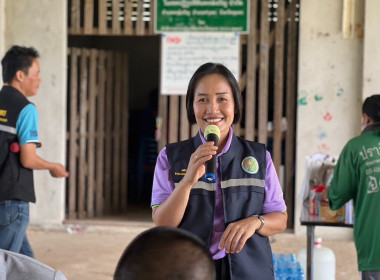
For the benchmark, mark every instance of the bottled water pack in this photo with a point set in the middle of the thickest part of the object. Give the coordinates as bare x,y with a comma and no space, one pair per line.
286,267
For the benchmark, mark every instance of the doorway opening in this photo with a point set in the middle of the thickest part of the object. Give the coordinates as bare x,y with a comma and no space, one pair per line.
112,108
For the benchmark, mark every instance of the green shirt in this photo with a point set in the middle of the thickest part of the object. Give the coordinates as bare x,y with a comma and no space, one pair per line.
357,177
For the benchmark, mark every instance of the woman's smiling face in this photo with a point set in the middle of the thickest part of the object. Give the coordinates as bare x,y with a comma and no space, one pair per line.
214,104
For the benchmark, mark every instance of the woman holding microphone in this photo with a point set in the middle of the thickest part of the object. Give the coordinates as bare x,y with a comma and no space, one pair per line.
235,214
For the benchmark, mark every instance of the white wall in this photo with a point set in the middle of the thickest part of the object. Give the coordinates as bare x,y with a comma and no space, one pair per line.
371,81
329,87
2,10
42,24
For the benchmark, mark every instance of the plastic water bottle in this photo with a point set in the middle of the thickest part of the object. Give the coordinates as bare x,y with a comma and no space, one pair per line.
324,261
287,267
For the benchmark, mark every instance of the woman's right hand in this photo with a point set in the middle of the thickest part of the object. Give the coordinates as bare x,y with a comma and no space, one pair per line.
171,211
196,167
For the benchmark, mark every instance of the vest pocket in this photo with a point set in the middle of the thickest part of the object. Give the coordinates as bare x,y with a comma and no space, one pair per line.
243,202
12,168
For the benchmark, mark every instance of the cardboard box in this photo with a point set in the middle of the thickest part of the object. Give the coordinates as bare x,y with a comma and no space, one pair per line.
333,216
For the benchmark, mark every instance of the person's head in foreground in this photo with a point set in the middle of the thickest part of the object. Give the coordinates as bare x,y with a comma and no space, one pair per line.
165,253
371,110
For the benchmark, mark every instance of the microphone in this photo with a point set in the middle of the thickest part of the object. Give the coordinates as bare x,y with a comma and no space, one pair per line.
212,133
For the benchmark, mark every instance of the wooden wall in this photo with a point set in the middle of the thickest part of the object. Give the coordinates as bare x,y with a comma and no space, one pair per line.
97,132
110,17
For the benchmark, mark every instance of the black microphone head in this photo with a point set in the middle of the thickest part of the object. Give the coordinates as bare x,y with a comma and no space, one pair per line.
212,133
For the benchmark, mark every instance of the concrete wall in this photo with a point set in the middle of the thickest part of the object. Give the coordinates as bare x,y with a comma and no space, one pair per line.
42,24
371,81
329,87
2,10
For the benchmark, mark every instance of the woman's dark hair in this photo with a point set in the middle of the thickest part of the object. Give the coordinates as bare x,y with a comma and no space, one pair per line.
208,69
17,58
371,107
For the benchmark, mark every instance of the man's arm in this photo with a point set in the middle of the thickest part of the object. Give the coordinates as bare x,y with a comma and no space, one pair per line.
344,182
30,159
27,132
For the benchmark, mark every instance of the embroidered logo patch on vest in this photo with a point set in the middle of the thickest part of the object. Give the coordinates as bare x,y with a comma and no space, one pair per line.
3,114
250,165
181,173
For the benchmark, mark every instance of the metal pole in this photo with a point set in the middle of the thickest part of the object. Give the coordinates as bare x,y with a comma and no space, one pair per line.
310,252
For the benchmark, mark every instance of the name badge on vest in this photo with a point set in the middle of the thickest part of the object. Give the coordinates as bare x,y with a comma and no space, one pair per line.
178,175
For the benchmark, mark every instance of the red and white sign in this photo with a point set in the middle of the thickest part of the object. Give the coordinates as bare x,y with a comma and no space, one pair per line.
183,53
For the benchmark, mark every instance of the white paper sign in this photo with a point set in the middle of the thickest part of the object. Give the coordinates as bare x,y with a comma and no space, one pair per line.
183,53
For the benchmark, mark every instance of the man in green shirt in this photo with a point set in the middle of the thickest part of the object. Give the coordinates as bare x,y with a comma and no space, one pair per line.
357,177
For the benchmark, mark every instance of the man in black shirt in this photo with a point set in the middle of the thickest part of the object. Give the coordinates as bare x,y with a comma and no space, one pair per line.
18,143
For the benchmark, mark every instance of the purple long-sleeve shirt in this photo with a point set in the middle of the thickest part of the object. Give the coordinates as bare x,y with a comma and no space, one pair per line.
163,186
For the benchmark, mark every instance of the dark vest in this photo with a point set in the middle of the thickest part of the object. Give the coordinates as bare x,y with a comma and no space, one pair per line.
16,182
243,196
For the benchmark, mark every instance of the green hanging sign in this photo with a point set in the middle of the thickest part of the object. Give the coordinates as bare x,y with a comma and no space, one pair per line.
201,16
